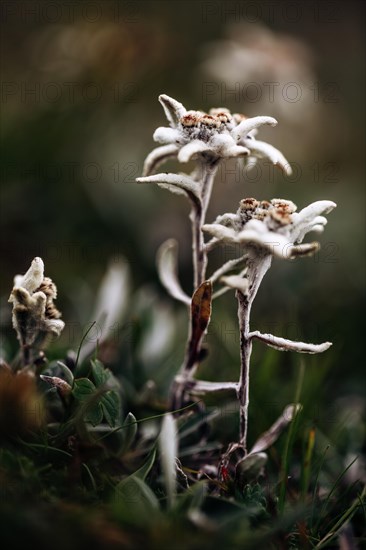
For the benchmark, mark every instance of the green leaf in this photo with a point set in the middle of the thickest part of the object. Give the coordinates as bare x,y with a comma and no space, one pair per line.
142,472
192,498
83,389
99,372
103,376
134,502
250,467
129,431
106,405
94,414
111,406
67,374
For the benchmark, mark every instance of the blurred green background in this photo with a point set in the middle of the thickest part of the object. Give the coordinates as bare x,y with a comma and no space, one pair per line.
80,83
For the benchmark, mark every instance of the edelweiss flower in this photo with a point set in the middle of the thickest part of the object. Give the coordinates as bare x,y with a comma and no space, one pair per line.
213,136
271,227
34,313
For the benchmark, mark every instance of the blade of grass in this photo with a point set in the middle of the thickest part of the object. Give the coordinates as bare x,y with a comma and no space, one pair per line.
307,463
145,420
91,477
316,483
289,441
81,343
335,485
44,447
348,514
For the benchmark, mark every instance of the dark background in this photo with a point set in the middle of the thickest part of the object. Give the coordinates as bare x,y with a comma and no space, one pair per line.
80,83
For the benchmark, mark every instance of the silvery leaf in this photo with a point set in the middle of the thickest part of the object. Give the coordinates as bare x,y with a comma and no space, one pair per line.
269,437
167,262
168,446
283,344
111,302
171,181
236,282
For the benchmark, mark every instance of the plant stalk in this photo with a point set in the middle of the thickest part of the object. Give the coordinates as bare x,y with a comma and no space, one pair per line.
257,268
207,171
198,217
244,306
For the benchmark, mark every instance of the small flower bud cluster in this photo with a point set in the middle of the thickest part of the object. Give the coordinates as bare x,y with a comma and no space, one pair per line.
35,316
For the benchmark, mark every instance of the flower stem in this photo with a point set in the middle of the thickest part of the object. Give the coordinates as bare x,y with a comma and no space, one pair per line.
207,172
198,254
198,216
257,268
26,355
245,353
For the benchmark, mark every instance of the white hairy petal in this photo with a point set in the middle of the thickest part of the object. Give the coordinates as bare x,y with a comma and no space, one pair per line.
318,228
55,326
250,124
36,303
172,108
221,232
306,249
226,219
315,209
283,344
17,280
262,149
212,244
223,145
275,243
255,234
33,277
236,151
236,282
193,148
158,156
308,217
250,162
167,263
320,220
167,135
256,225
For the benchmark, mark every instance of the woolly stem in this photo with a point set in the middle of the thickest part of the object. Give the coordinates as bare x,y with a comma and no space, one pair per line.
207,172
198,216
245,353
256,271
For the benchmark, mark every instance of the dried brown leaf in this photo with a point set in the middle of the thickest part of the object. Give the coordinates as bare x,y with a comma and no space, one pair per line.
200,318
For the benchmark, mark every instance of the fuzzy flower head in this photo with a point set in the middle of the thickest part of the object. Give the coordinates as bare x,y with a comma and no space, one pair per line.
211,136
271,227
35,317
